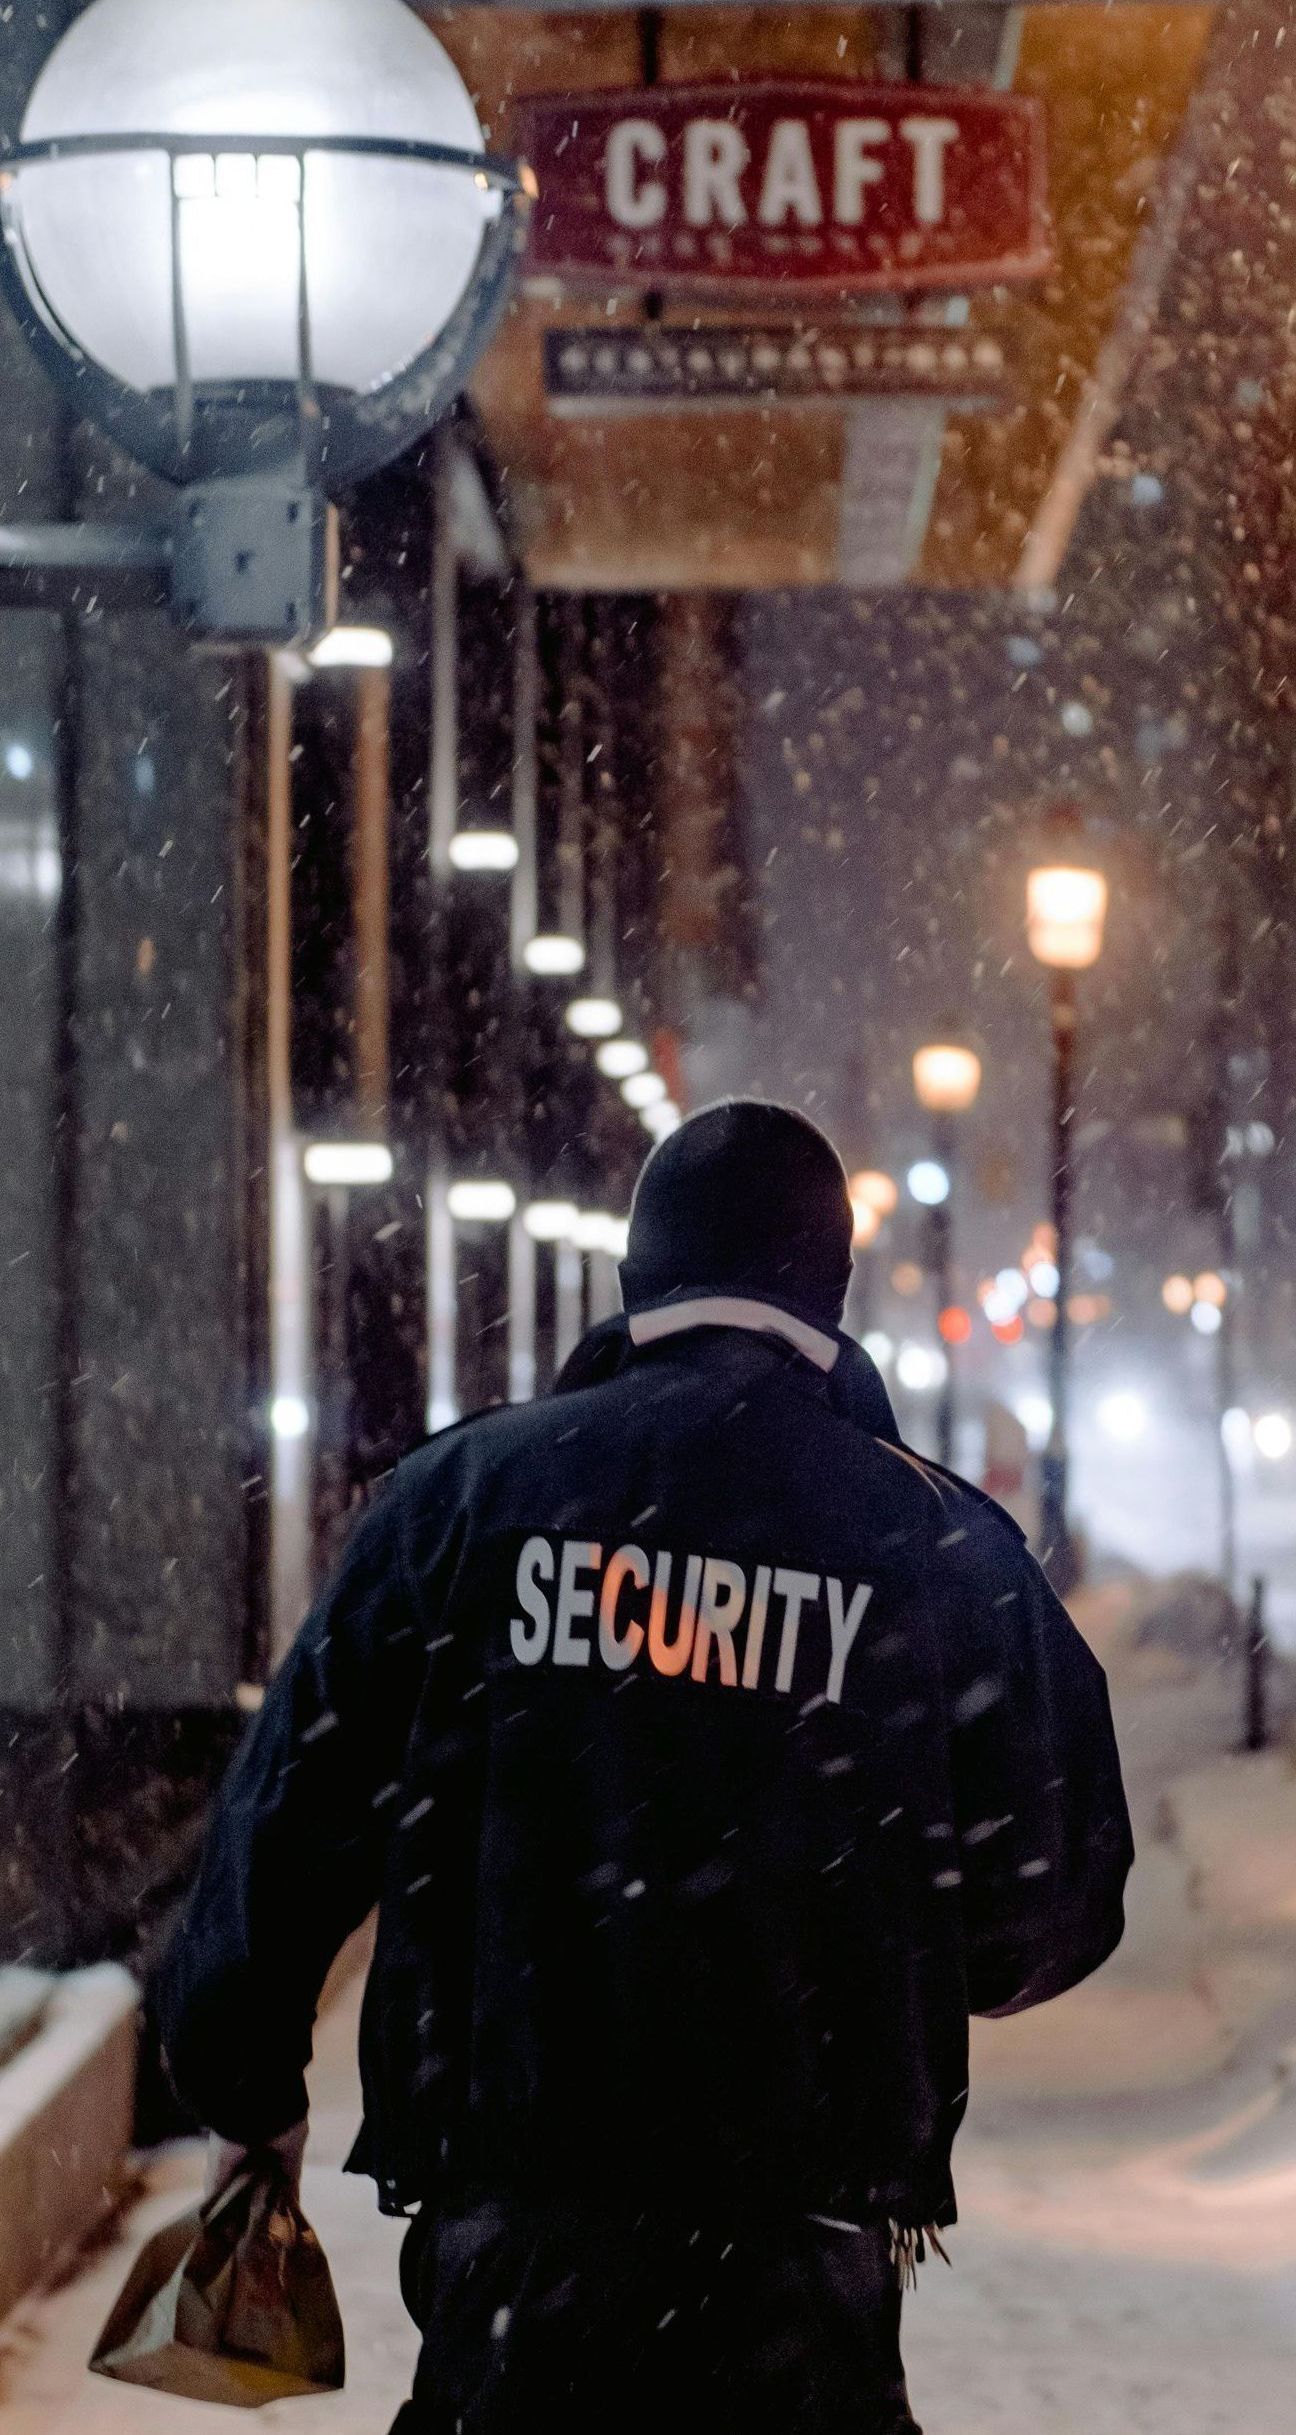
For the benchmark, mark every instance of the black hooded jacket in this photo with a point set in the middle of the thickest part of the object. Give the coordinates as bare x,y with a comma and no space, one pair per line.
709,1757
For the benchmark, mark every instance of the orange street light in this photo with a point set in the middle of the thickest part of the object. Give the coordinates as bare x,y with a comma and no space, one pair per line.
1066,908
876,1190
868,1223
947,1077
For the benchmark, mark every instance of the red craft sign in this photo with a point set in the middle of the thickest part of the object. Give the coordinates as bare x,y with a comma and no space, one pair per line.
803,188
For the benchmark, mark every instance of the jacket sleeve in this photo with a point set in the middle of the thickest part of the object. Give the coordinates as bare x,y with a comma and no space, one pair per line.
294,1851
1040,1808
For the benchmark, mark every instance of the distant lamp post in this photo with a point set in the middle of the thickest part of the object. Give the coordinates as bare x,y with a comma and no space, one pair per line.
1066,909
868,1224
553,956
619,1059
261,246
594,1018
874,1190
479,1201
947,1078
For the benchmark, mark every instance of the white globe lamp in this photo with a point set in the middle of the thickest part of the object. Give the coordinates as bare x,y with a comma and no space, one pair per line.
257,242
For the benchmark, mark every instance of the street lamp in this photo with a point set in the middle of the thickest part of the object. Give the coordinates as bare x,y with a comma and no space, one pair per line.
867,1225
874,1195
594,1018
1066,908
947,1078
871,1188
260,245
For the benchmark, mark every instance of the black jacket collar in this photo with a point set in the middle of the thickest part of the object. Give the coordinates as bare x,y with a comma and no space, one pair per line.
853,1386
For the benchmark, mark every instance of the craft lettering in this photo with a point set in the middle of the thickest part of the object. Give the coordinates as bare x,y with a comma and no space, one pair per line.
817,184
704,1618
725,182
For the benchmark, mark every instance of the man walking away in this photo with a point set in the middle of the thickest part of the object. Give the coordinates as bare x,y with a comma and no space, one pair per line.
709,1757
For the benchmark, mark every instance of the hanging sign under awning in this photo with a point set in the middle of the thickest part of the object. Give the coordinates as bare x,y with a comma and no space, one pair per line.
787,189
601,370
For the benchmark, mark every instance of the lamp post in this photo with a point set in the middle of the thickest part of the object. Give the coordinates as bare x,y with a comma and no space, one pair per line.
1066,908
874,1196
872,1189
261,246
947,1078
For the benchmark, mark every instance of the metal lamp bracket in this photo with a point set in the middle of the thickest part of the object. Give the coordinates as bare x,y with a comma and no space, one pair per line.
250,552
239,563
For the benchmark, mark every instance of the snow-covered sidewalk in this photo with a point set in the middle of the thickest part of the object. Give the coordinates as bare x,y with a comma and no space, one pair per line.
1126,2262
44,2389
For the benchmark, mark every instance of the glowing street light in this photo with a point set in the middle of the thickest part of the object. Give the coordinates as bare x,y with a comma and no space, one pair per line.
619,1059
873,1197
553,956
1123,1417
475,850
1066,908
483,1201
594,1018
347,1162
929,1183
920,1368
262,245
353,647
1035,1413
946,1078
550,1221
641,1091
1272,1432
876,1189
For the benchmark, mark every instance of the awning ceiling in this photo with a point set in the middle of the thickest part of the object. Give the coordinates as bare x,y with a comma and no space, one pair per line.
749,496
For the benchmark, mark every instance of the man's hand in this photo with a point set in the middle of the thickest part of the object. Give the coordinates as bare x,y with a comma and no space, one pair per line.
225,2159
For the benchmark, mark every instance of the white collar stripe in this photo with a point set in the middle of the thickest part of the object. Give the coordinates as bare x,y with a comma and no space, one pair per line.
731,1310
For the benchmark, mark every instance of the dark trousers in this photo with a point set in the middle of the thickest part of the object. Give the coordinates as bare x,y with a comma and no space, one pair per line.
645,2322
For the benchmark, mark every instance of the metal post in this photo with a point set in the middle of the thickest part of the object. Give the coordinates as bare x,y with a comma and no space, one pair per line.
941,1229
292,1450
442,1306
1226,1393
333,1453
572,773
1056,1542
443,761
1226,1340
1257,1671
569,1315
604,1300
524,906
521,1313
604,823
860,1300
371,885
